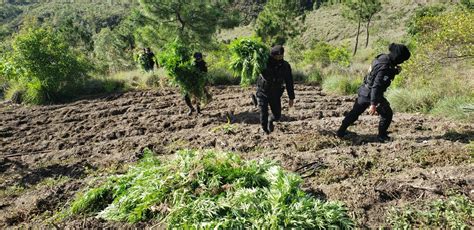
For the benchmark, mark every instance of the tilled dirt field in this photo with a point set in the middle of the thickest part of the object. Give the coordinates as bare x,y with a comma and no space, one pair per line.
49,153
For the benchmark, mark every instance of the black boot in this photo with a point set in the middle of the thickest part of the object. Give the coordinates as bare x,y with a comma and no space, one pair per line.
382,138
198,109
254,100
188,103
270,125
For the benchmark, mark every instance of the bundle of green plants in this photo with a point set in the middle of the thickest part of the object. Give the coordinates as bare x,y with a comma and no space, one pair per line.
249,58
207,190
456,212
177,60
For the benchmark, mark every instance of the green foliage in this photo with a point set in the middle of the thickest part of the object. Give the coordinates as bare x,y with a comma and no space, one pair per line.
278,21
432,77
218,61
469,4
455,108
456,212
176,59
416,23
113,47
43,63
362,10
194,22
412,100
210,190
324,54
341,84
249,59
226,128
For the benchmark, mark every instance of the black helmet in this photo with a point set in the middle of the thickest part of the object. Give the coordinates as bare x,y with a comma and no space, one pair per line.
197,55
398,53
277,50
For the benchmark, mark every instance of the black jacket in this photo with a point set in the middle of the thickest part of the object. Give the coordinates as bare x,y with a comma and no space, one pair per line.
378,80
274,76
201,66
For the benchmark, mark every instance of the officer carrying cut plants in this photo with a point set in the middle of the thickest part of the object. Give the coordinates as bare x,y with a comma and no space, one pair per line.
370,94
201,65
270,86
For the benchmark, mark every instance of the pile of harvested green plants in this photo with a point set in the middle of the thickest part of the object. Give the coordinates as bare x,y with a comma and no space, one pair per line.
209,189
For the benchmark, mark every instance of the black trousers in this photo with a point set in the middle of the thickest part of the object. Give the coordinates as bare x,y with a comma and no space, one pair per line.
361,104
274,101
187,99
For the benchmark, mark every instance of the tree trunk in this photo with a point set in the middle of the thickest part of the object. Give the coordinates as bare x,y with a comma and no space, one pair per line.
368,24
357,37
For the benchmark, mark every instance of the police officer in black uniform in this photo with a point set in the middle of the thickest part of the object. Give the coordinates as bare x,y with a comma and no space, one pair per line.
201,65
270,86
370,94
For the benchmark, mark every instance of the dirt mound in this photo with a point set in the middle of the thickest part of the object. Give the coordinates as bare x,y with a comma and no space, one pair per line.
48,153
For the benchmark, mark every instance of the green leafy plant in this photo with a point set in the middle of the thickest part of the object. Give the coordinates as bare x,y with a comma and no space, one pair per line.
324,54
279,21
226,128
249,58
210,189
176,59
47,68
456,212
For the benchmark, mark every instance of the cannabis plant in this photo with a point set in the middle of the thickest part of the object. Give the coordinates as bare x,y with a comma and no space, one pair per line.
204,190
249,58
176,58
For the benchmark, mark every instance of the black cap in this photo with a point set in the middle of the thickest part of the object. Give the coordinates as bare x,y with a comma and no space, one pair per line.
277,50
197,55
398,53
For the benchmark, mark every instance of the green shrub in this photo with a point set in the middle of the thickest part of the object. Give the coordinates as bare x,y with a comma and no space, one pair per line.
415,23
210,190
453,213
340,84
249,59
325,54
44,64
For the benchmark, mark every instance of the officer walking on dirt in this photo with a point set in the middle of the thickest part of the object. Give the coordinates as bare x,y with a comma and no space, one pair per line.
370,94
201,65
270,86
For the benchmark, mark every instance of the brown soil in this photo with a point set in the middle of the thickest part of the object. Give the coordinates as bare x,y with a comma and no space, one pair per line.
49,153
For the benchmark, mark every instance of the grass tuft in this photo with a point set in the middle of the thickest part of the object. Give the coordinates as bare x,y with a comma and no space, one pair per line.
340,84
454,213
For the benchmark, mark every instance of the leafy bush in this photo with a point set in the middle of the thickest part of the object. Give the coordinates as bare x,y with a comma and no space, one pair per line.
415,23
249,59
437,73
176,59
279,21
454,213
210,190
43,63
326,54
341,84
